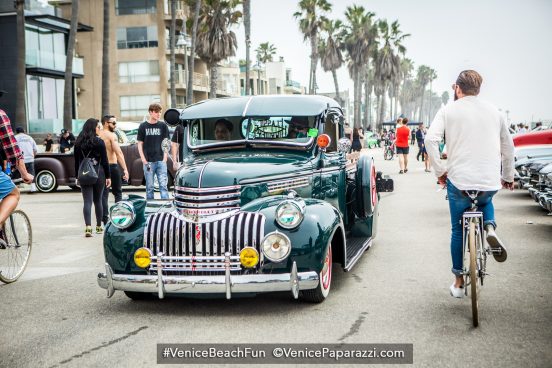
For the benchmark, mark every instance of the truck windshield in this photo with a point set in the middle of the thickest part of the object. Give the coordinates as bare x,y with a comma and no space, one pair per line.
294,130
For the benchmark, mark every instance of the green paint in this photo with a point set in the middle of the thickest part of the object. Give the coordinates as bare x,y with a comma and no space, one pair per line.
313,132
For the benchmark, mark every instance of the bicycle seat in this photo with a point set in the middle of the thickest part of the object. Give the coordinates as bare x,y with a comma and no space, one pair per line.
472,194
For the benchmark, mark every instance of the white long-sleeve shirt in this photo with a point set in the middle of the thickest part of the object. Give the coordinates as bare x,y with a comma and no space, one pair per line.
480,150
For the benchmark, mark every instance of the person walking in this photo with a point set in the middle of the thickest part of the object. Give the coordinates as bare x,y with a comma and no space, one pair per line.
48,143
413,137
420,135
356,146
480,156
29,149
116,163
90,145
151,134
403,134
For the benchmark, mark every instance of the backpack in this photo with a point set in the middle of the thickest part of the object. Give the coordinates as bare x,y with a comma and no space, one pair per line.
87,174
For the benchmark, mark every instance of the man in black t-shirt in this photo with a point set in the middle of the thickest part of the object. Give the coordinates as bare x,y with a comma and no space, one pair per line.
151,134
176,146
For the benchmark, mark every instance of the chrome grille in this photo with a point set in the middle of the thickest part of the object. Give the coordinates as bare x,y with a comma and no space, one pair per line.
207,204
200,247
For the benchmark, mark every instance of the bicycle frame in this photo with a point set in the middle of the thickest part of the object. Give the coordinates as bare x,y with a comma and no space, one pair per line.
468,216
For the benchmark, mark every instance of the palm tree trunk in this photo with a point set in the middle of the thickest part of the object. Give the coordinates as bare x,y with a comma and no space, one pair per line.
357,94
190,85
21,79
314,60
105,59
421,105
379,123
247,26
366,103
172,46
382,107
68,87
213,82
336,84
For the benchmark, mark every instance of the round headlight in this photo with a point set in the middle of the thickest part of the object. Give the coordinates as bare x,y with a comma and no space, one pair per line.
276,246
122,215
249,257
142,257
289,214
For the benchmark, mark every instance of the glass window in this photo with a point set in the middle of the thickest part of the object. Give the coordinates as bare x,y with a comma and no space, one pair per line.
136,37
44,97
137,106
139,71
127,7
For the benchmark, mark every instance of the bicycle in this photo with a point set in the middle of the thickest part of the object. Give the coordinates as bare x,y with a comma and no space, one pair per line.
15,253
388,150
477,251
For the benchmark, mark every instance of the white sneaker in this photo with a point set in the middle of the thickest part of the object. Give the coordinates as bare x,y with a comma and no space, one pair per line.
456,292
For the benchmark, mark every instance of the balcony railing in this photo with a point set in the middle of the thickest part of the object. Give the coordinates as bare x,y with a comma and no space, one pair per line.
48,60
200,80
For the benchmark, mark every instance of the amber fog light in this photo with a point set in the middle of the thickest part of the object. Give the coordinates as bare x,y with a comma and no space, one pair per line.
276,246
249,257
142,257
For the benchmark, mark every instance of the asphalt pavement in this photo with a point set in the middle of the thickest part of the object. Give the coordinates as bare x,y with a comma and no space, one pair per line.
57,316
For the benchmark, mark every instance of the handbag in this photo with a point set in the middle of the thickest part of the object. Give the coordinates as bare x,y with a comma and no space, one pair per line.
87,172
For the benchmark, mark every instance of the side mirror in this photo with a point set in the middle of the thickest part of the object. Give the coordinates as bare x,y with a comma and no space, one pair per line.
172,117
334,117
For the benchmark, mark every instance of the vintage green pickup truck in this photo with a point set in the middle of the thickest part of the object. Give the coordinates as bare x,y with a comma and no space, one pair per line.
267,199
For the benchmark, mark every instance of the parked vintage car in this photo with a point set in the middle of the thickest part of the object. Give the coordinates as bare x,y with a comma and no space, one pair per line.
538,137
257,208
370,140
55,169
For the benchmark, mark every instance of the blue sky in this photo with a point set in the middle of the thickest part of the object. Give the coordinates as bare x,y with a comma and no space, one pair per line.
508,42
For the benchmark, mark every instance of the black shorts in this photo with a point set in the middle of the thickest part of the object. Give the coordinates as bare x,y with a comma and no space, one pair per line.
402,150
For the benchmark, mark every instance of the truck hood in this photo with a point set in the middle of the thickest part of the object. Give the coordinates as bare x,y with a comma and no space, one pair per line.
238,168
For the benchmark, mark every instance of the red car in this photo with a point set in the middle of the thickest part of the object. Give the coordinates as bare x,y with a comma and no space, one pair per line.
540,137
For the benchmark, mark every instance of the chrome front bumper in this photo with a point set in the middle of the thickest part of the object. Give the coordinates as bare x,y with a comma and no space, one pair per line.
220,284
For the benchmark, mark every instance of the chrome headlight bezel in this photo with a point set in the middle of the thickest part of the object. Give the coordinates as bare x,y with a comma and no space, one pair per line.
272,254
124,206
297,207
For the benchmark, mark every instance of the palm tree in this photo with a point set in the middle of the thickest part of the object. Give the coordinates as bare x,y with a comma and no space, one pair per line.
172,47
432,77
422,78
329,48
196,4
68,88
105,59
247,26
359,39
368,88
20,111
311,16
216,41
445,97
387,63
265,52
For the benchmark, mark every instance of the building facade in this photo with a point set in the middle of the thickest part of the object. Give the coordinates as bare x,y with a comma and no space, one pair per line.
139,60
46,34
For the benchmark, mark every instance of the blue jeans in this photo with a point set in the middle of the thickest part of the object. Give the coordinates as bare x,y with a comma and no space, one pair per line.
458,203
158,168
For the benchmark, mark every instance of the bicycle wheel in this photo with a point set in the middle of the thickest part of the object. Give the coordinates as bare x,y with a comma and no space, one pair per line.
473,273
14,258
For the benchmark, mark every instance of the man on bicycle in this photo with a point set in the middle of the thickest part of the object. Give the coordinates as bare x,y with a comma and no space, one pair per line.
9,194
480,157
